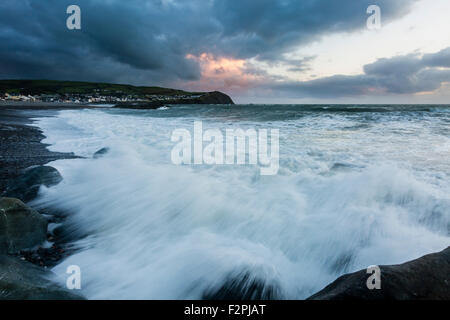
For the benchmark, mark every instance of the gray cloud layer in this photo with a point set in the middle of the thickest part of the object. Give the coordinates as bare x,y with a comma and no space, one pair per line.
406,74
146,42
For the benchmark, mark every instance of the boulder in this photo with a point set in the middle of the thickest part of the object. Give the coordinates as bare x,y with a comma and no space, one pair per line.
426,278
26,186
20,280
20,226
100,153
243,286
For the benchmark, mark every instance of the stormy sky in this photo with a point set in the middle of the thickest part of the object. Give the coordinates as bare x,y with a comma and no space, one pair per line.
282,51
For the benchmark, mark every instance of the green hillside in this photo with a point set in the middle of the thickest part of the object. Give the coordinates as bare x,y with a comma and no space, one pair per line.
36,87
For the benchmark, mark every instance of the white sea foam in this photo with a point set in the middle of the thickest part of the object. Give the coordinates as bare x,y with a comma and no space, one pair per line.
344,199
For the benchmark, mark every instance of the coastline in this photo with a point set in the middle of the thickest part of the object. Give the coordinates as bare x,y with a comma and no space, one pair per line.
21,147
23,105
25,274
20,143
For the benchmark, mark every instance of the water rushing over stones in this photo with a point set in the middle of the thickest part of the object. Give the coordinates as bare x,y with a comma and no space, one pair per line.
357,186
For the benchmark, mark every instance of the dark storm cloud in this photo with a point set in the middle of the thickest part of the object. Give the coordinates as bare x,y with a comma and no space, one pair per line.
406,74
118,41
142,41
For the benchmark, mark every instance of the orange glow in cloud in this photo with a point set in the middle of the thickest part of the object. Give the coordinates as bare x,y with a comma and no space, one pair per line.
220,73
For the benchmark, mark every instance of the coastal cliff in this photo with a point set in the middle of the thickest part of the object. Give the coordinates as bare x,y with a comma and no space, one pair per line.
92,93
215,97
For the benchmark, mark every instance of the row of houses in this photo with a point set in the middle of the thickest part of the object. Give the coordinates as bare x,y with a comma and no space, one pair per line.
16,97
67,98
88,98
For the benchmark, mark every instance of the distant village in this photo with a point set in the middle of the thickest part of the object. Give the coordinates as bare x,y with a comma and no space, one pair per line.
97,98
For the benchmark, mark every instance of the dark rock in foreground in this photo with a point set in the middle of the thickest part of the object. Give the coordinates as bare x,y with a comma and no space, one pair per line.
20,226
20,280
26,186
243,287
100,153
426,278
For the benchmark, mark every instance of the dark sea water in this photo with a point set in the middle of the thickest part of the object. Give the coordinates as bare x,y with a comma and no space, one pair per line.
357,185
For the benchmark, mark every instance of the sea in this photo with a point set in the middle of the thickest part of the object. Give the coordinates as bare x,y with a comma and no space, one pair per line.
357,185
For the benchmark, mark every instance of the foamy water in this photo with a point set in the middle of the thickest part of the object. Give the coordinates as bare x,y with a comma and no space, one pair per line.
357,186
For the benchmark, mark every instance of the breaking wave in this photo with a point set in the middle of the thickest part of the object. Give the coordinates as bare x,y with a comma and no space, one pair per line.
147,229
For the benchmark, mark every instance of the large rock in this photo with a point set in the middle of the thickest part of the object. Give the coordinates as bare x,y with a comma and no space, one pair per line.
243,286
26,186
20,226
20,280
426,278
